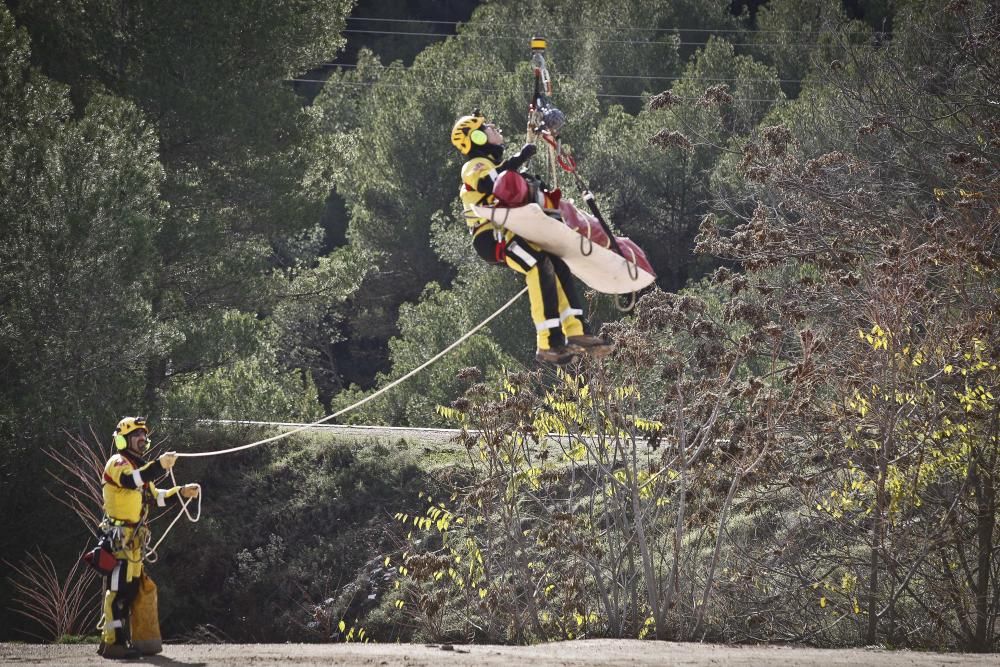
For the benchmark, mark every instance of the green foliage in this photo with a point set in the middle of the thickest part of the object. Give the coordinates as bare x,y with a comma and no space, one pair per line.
430,326
79,207
315,299
804,447
246,387
798,38
284,530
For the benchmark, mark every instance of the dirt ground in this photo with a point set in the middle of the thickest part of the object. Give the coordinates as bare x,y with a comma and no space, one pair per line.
586,652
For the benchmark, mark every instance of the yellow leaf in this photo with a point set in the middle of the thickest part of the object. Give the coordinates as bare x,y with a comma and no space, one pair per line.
342,626
822,602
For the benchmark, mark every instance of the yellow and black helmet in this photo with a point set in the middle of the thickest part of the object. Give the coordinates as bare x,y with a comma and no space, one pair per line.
467,132
128,425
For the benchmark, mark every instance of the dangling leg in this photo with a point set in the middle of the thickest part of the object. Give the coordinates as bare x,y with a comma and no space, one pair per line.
118,596
570,305
574,325
543,293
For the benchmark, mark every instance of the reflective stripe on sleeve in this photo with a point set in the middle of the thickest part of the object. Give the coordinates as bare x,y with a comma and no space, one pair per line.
115,577
161,497
137,478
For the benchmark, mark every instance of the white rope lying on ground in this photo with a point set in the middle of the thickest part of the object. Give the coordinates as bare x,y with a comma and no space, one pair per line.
369,397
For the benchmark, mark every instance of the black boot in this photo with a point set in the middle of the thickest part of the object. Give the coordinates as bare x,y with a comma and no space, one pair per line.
122,649
559,355
118,651
594,346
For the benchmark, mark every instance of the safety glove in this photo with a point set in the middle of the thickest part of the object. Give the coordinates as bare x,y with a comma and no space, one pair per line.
190,491
167,460
525,154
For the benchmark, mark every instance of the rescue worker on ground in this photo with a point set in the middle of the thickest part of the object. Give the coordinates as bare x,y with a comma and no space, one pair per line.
556,309
129,491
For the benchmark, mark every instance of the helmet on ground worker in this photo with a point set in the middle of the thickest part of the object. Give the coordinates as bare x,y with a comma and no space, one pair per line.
128,425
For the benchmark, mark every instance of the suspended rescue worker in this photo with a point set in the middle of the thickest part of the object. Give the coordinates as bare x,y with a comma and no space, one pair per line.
129,492
556,309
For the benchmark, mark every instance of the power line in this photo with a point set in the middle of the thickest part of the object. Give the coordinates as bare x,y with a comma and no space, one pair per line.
629,28
599,76
438,35
415,86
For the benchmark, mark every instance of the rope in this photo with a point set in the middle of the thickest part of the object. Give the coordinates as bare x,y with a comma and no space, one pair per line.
151,556
151,553
365,399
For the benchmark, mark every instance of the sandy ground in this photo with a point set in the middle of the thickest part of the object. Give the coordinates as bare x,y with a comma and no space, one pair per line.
587,652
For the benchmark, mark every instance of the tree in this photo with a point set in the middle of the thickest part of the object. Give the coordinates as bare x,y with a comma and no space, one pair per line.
240,164
655,169
798,38
888,233
79,210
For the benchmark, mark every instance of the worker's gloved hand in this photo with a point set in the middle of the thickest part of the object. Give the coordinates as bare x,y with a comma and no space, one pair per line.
515,163
167,460
190,491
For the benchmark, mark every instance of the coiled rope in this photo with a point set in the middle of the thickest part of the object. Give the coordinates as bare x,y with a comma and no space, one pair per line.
151,555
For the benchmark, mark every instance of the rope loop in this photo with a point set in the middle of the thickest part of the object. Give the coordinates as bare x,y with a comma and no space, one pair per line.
587,242
502,226
151,555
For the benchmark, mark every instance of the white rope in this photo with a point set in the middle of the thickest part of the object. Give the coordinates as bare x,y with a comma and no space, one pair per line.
367,398
151,553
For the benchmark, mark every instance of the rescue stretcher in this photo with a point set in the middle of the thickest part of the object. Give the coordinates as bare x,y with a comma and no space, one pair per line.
578,238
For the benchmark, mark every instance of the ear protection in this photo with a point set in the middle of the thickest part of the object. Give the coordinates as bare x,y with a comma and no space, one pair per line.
478,137
120,442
